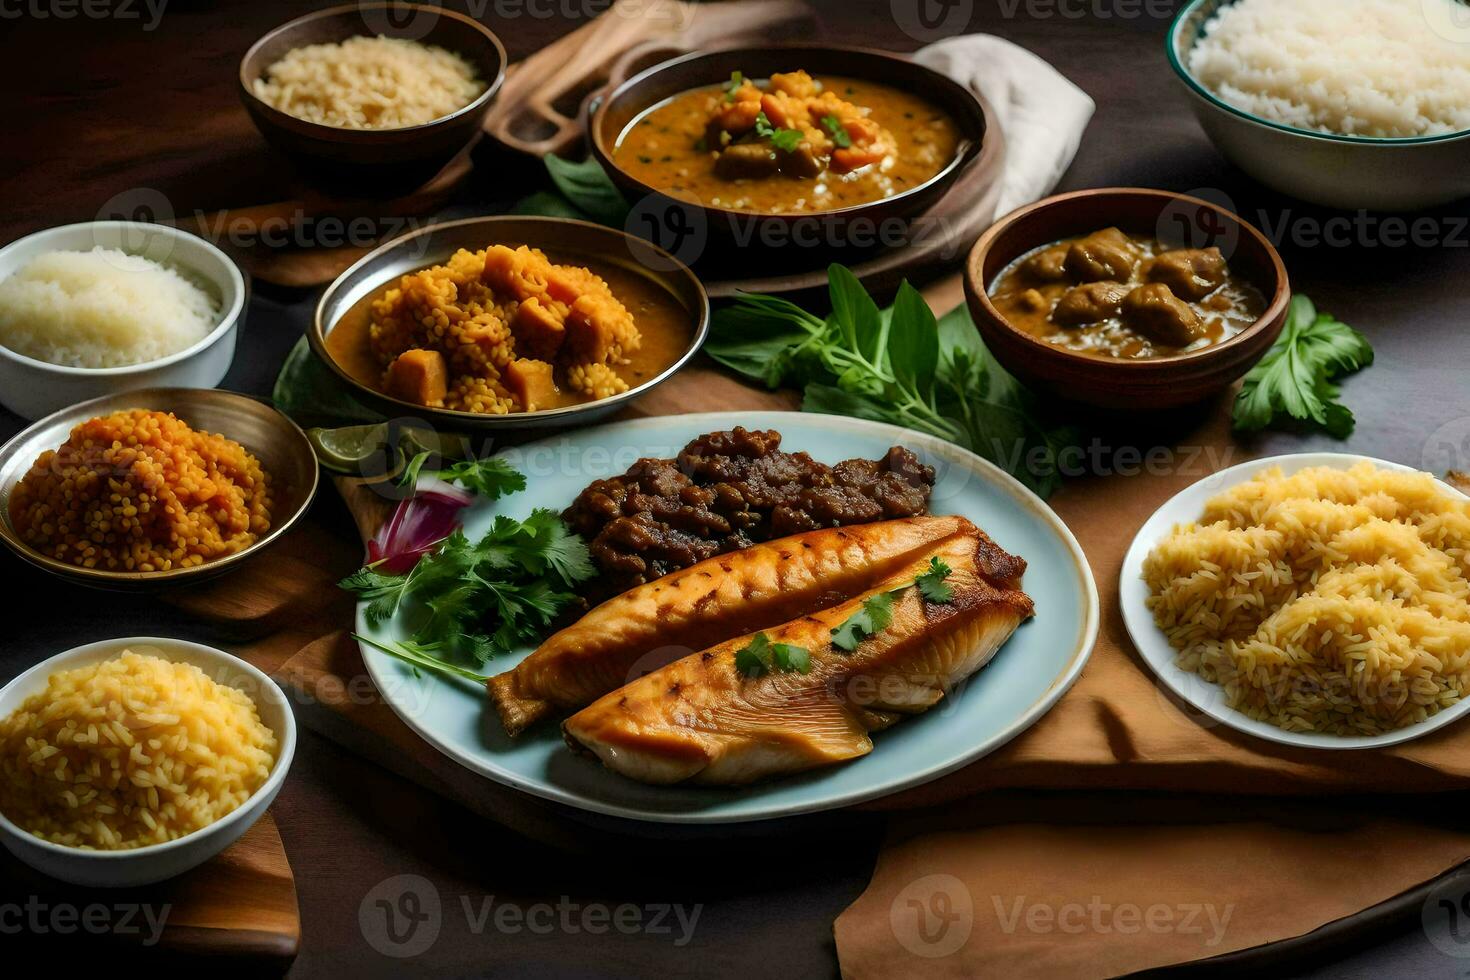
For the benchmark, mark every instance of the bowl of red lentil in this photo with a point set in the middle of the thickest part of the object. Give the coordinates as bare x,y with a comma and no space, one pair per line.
154,487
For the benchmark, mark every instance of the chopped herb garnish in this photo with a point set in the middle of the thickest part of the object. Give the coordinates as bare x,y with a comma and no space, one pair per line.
760,656
877,611
838,132
876,614
932,584
786,140
733,85
644,159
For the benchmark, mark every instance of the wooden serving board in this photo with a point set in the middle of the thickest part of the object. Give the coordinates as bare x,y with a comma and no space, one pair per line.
237,912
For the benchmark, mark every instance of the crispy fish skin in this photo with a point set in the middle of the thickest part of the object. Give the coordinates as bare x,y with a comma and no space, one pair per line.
700,720
728,595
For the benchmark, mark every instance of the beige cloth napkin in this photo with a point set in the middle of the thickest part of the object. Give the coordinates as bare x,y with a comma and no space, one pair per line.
1042,114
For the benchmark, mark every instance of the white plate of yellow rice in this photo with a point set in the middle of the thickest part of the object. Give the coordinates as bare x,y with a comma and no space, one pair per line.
1318,600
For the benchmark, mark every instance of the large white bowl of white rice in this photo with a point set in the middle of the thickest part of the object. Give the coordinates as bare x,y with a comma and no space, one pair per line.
96,308
1352,104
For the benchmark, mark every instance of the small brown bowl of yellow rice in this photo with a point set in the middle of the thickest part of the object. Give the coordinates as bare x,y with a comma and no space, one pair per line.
126,762
503,323
150,488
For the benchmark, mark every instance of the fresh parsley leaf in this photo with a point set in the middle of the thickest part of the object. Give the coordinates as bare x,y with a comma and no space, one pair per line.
786,140
1296,376
490,478
876,614
381,592
754,659
760,656
791,658
733,85
837,131
932,585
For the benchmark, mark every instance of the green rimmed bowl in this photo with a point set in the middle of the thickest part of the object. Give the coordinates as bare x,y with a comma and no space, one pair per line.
1347,172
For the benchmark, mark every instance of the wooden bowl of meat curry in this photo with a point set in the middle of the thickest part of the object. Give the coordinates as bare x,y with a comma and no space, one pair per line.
1126,299
786,146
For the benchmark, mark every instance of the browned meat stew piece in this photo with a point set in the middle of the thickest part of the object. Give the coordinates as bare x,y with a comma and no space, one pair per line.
1161,316
1090,303
1106,254
1049,264
746,161
1192,273
729,490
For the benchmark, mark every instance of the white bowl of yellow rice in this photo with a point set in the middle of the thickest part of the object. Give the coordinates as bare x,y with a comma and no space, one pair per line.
127,762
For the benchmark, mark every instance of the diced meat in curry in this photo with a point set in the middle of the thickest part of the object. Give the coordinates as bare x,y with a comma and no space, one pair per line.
1115,294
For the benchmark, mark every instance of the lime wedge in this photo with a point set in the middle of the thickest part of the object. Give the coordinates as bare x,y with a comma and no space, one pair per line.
361,450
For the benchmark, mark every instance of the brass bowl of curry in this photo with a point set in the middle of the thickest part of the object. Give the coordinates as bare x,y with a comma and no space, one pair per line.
1126,299
784,146
503,323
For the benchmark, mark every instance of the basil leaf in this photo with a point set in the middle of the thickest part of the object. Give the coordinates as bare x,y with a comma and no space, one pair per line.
913,345
587,187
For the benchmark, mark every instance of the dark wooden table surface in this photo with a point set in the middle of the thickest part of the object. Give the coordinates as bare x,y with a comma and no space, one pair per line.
123,108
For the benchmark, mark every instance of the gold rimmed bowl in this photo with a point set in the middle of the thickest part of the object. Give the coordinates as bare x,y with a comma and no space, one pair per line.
564,240
284,452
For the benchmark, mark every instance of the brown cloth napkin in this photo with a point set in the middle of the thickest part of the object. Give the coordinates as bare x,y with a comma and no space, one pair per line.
1080,886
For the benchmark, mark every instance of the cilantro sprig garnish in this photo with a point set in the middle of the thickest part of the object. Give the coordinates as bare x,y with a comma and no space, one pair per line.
786,140
760,656
837,131
874,617
477,599
490,478
877,612
1296,377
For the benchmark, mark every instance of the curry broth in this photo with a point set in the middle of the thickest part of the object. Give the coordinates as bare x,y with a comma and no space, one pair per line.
665,326
663,148
1030,291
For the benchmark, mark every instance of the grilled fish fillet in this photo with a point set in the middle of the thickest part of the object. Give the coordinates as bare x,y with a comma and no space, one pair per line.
700,720
688,610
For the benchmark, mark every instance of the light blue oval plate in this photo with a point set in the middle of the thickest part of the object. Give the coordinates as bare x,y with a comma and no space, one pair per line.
1025,679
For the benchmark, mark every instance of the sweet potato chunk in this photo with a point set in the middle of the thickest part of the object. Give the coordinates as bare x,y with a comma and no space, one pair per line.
419,376
530,381
794,83
537,332
847,159
589,332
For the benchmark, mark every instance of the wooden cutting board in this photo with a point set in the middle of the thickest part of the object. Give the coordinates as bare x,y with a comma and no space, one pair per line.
237,911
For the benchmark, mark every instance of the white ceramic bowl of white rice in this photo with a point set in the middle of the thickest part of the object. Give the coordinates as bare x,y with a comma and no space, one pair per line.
101,307
1351,104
